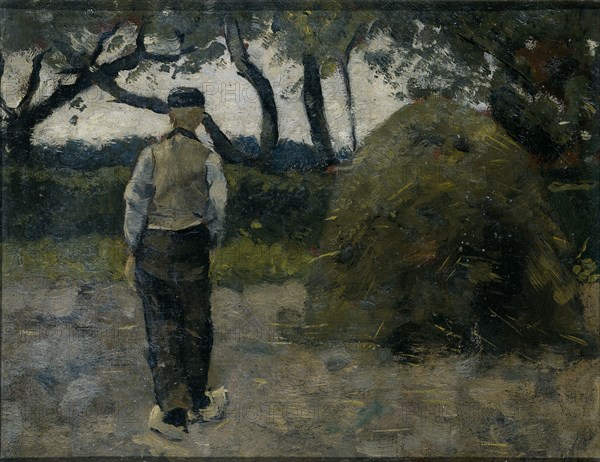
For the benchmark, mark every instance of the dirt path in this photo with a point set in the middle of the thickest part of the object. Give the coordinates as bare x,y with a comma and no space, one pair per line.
75,383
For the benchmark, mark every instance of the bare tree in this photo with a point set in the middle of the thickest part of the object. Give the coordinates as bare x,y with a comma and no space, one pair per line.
20,121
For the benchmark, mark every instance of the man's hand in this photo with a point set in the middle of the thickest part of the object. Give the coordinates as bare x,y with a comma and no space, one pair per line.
212,253
130,270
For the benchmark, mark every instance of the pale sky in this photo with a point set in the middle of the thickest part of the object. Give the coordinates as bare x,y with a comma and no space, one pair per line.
230,99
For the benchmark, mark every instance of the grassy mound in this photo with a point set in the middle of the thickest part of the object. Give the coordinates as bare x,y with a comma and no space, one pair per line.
441,230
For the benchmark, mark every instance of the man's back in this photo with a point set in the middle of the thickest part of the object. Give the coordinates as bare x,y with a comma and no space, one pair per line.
176,184
181,189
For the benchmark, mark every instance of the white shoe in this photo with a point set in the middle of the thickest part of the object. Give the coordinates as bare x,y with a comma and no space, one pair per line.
215,409
171,432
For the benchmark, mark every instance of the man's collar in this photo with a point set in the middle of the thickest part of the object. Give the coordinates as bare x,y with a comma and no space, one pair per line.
184,132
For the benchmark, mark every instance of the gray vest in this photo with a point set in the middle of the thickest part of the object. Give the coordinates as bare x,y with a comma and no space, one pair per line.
180,185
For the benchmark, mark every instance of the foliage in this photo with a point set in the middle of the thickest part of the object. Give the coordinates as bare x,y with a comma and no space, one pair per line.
535,67
71,36
243,261
442,230
60,202
73,33
79,189
86,258
585,269
276,208
424,57
323,33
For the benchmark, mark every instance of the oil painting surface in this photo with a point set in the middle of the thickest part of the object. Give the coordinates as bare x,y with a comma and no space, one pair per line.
355,229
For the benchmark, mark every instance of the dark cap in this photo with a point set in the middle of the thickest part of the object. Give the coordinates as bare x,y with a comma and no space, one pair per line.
185,97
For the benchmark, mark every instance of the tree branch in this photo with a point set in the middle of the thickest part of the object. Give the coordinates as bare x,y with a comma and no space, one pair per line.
527,83
160,58
34,81
104,77
131,61
223,145
10,112
101,42
123,96
60,96
357,39
139,40
65,93
235,44
128,62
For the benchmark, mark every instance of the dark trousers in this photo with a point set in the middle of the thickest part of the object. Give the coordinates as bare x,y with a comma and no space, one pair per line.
172,278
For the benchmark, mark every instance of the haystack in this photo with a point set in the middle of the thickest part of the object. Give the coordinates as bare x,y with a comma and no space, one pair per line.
440,230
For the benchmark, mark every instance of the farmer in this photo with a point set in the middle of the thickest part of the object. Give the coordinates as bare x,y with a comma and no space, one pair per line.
174,215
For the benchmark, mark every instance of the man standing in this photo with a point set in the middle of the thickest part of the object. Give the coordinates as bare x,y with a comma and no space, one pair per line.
175,205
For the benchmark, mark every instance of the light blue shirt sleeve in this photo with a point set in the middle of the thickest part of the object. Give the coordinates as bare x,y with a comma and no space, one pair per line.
217,198
138,195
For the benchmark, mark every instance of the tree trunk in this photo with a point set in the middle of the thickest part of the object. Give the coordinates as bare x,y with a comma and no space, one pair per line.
358,37
17,141
247,69
315,109
223,145
348,88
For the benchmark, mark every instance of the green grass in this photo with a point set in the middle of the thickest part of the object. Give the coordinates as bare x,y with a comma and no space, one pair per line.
88,258
98,258
246,262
